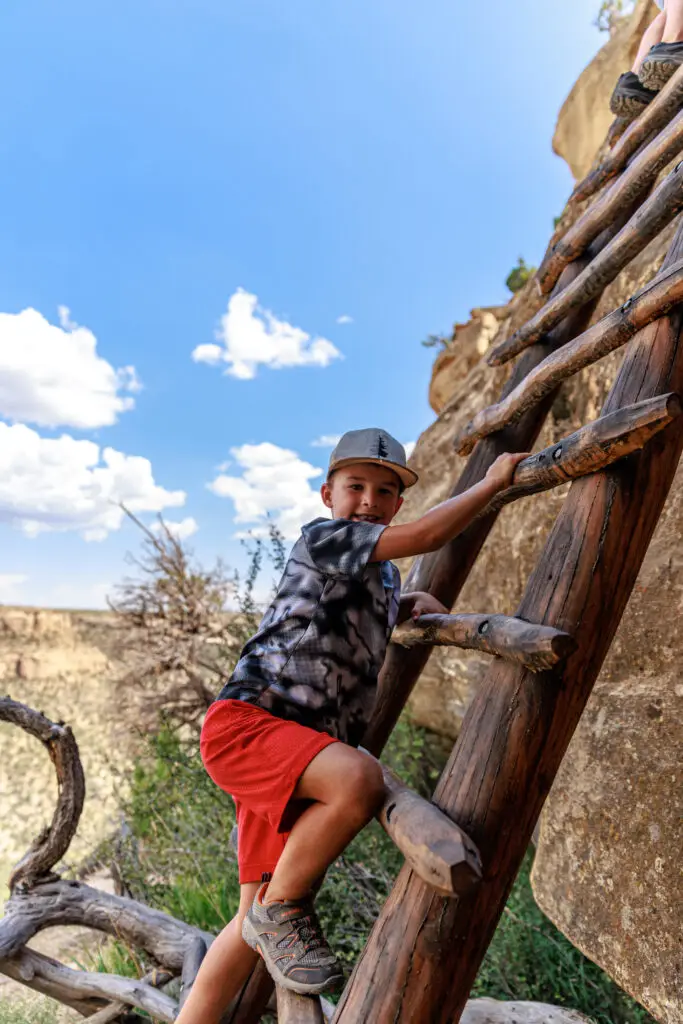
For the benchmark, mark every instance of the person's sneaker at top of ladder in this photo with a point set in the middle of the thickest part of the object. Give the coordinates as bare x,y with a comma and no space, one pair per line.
288,936
660,64
630,97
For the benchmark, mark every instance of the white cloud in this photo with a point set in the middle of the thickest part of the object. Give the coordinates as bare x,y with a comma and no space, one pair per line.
274,482
252,336
326,441
345,319
410,448
10,582
181,531
53,376
61,484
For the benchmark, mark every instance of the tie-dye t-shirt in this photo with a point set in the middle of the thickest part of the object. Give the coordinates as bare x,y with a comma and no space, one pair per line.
319,648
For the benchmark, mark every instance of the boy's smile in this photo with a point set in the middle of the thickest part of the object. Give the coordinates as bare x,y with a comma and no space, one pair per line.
364,492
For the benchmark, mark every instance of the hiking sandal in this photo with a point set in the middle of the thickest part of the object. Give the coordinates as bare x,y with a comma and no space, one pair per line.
630,97
288,936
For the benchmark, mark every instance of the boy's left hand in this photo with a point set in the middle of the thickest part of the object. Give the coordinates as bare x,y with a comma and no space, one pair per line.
425,604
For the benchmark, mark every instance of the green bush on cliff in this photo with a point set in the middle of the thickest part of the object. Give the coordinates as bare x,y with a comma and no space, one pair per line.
519,275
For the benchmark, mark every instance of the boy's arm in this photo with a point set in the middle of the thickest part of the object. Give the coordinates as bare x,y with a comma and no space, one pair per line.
445,521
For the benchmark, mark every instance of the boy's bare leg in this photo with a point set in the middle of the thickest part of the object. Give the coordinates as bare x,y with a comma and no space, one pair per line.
224,969
655,33
348,788
673,14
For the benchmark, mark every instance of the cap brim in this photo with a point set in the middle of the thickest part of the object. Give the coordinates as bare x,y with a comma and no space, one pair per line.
405,475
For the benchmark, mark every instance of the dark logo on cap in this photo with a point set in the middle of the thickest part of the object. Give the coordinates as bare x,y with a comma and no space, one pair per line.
382,450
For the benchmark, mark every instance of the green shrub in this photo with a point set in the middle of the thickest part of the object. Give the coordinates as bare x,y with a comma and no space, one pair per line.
519,275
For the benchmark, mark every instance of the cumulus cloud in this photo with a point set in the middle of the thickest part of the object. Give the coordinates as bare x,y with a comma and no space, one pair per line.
181,531
273,482
410,448
326,441
52,375
250,337
345,319
10,582
57,484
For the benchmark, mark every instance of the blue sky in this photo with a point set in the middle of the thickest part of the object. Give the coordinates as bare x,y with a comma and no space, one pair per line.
192,194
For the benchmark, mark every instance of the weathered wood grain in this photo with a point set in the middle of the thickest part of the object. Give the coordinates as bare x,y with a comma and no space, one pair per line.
192,961
75,987
67,902
53,842
654,158
654,300
537,647
116,1012
424,951
436,848
296,1009
654,214
659,112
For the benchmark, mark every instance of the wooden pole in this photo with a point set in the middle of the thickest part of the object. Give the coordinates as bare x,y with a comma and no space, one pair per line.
591,448
424,951
609,334
654,158
663,108
537,647
654,214
296,1009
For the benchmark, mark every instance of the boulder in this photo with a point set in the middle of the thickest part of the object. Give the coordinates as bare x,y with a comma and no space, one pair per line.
491,1011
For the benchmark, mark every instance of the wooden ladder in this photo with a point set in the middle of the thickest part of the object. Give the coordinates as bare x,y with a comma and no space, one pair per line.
463,850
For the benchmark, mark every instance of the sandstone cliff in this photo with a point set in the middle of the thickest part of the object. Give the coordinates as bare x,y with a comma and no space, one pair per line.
607,870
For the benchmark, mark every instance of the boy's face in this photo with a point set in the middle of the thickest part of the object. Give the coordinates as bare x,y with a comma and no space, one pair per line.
364,492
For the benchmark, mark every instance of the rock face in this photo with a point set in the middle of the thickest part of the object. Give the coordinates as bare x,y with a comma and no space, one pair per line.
60,663
585,116
607,869
490,1011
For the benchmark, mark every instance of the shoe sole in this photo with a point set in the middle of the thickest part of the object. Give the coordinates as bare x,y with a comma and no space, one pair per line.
627,107
251,937
654,74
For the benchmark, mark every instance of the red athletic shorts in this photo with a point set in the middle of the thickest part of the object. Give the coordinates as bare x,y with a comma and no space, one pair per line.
258,759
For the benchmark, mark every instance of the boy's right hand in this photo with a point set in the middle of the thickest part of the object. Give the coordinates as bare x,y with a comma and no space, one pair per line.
501,472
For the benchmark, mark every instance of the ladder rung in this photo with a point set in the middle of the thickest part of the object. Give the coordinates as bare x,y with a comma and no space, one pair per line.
654,214
535,646
664,106
653,301
433,845
637,179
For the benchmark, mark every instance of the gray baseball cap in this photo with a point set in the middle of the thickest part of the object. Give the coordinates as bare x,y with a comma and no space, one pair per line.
372,445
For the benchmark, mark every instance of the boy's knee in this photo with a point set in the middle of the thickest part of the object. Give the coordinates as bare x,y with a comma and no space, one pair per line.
366,787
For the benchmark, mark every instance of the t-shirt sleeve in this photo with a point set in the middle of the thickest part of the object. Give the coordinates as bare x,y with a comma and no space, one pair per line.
341,547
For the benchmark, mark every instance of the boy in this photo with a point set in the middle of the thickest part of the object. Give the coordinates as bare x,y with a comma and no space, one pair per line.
660,54
282,735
